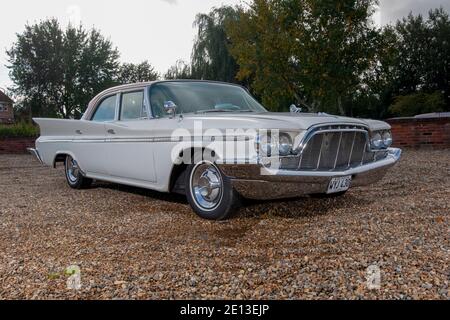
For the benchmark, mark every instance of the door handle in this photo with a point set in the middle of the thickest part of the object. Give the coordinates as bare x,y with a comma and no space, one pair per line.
78,132
111,131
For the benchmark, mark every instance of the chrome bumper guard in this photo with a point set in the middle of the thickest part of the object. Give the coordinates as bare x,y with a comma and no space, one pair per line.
257,182
35,152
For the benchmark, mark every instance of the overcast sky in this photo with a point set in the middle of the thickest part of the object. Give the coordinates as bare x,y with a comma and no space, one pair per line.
159,31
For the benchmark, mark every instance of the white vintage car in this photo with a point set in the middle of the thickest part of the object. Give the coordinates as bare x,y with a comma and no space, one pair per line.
214,143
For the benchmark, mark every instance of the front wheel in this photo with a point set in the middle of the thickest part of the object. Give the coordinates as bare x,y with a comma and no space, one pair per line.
209,192
74,177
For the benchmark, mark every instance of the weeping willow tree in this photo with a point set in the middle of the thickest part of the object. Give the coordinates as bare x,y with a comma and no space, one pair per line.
210,58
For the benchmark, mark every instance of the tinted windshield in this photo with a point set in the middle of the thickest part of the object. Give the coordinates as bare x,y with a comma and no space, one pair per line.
201,97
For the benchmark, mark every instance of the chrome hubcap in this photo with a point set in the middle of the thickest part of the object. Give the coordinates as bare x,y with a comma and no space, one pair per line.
72,169
206,186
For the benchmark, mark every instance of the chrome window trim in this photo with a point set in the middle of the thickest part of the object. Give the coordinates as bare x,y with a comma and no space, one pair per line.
121,93
92,105
99,101
149,87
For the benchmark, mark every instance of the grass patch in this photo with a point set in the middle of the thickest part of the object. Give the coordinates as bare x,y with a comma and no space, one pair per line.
22,129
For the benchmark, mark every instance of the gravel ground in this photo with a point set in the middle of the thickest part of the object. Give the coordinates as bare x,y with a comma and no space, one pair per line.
137,244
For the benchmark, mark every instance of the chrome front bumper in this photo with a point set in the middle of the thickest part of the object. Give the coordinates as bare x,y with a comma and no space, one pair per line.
254,181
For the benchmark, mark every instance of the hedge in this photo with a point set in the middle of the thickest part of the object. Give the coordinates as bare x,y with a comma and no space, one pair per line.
22,129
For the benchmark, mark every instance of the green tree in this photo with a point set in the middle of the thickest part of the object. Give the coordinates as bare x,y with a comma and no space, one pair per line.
313,52
417,103
131,73
412,62
56,72
180,70
378,83
211,59
424,53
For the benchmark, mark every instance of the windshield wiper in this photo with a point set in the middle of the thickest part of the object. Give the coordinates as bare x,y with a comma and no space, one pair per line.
221,110
212,110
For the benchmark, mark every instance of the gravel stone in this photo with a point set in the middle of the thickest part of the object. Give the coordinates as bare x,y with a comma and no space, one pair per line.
131,243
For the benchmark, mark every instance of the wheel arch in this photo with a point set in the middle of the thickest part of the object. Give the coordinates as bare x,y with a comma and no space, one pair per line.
60,156
179,166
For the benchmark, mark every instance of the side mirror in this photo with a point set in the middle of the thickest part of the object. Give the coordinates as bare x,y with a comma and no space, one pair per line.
170,108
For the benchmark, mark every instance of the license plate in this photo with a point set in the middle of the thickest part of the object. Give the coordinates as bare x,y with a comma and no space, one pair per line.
339,184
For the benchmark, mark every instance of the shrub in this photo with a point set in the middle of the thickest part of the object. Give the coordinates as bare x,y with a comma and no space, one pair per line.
417,103
22,129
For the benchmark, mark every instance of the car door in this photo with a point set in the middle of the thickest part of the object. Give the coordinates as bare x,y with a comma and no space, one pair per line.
130,148
89,137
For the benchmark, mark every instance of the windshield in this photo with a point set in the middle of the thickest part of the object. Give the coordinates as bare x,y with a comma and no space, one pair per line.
201,97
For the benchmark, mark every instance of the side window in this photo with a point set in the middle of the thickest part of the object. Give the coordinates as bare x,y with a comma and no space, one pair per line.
132,106
106,111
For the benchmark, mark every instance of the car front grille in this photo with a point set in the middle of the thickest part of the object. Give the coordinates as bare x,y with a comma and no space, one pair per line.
334,148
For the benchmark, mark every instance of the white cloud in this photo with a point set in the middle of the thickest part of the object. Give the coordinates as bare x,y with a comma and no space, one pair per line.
390,10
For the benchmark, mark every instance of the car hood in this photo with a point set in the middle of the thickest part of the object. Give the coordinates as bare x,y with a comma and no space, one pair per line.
279,120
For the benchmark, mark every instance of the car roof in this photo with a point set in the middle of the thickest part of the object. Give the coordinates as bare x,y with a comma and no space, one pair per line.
139,85
145,84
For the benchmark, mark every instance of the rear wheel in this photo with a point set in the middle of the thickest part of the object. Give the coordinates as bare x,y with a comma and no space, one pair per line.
209,192
74,177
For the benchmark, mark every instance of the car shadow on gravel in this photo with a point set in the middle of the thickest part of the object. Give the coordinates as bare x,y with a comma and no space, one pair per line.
288,208
163,196
300,207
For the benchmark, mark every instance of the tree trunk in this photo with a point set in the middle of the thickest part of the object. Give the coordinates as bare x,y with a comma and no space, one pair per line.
31,113
302,102
340,107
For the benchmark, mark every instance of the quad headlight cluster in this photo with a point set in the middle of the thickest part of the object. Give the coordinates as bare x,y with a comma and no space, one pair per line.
280,143
381,139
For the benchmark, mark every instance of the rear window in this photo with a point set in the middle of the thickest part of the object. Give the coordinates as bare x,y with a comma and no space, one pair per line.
106,110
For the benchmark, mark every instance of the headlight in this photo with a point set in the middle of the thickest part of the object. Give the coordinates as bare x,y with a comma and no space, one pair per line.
285,144
381,139
387,139
376,141
267,144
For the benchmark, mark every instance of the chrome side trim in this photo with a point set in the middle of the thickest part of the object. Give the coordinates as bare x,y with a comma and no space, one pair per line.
35,152
151,139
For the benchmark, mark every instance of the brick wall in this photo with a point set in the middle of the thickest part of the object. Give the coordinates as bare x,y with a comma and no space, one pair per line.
8,115
16,145
421,132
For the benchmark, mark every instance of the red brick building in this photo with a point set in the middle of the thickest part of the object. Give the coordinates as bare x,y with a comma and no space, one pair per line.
6,108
